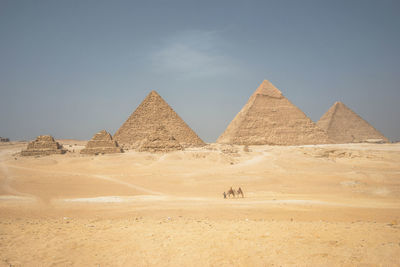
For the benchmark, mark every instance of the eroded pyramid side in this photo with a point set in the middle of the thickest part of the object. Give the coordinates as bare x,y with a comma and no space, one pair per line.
43,145
160,140
343,125
151,113
270,118
101,143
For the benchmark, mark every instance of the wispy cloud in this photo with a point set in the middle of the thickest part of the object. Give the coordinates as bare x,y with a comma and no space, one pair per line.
192,54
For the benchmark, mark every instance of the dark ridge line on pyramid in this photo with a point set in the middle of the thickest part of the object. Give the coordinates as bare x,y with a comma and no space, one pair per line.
332,116
361,118
284,96
373,127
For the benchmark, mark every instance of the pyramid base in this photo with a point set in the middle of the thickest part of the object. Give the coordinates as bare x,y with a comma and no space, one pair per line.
44,152
103,150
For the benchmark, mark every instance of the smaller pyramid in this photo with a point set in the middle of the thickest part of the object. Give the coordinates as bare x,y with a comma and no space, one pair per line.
152,112
101,143
345,126
43,145
160,140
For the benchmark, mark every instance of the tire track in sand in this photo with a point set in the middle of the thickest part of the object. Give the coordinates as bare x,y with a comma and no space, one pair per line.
97,176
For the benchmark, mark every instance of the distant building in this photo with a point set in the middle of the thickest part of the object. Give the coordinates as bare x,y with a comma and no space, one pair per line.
3,139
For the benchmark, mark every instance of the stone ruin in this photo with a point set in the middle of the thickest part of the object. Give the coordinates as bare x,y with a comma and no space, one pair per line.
150,114
269,118
160,140
3,139
43,145
345,126
101,143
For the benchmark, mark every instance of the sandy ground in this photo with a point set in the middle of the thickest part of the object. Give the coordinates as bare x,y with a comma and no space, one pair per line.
325,205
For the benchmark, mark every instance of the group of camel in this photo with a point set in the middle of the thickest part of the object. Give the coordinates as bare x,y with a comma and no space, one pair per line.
233,192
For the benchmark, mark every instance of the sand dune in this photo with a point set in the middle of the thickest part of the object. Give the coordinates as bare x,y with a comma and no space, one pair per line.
303,205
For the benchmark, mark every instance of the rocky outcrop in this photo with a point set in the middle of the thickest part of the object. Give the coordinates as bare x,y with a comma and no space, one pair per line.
160,140
269,118
101,143
43,145
151,113
345,126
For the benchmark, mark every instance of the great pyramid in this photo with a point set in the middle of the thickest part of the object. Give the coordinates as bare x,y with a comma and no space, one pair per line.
160,140
151,113
101,143
344,126
270,118
43,145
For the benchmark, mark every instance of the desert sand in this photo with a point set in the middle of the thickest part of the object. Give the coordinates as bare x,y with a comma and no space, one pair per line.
316,205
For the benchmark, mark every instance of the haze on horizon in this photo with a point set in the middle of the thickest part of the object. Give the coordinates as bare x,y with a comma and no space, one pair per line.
72,68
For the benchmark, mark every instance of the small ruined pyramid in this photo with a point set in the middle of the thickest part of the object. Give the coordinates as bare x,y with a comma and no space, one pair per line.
344,126
160,140
101,143
269,118
43,145
151,113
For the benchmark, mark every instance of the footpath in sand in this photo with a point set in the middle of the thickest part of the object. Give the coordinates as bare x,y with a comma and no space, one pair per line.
303,205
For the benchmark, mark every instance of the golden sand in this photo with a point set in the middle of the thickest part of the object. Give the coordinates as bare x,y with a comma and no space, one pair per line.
304,205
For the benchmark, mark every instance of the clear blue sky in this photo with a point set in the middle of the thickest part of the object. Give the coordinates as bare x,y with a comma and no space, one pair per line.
72,68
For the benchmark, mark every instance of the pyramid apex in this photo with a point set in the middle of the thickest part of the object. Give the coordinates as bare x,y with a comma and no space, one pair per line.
268,89
339,104
153,92
266,82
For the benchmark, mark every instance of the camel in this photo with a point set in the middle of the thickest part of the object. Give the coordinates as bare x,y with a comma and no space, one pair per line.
240,192
231,192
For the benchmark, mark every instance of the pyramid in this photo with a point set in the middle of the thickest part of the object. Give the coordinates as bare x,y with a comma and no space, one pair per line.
101,143
43,145
269,118
151,113
160,140
344,126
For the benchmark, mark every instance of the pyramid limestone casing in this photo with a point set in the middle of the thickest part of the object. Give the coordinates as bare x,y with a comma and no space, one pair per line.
268,118
344,126
101,143
160,141
43,145
151,113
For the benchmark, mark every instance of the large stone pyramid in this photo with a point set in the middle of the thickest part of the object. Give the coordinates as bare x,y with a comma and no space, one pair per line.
270,118
101,143
151,113
160,140
344,126
43,145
